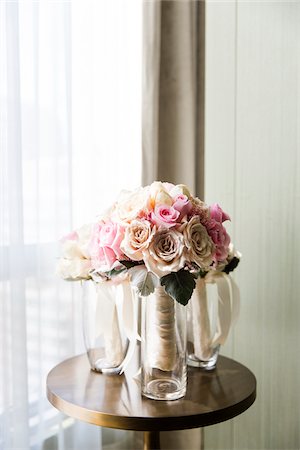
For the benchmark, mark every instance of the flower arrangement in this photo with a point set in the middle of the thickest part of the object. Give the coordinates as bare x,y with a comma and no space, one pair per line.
158,235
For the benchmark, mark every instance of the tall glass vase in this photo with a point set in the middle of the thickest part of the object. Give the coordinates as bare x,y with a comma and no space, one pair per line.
104,338
202,318
163,349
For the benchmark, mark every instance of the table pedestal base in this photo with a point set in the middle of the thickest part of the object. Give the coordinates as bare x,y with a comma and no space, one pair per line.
151,440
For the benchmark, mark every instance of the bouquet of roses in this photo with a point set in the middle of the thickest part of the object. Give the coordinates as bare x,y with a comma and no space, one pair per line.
156,236
168,245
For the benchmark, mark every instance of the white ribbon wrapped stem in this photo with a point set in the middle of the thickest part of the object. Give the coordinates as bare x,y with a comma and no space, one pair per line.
229,306
129,316
108,324
228,311
116,311
200,320
224,310
235,301
160,333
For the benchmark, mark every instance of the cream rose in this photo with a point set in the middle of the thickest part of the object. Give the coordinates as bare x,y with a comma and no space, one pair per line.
137,237
180,189
131,205
158,195
199,246
165,252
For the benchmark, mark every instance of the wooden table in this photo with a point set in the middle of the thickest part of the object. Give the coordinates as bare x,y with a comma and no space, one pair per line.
115,401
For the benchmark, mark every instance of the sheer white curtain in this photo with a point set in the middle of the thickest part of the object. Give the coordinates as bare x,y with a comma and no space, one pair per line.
70,140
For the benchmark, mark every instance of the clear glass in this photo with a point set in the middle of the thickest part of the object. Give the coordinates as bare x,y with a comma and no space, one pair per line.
202,317
104,339
163,349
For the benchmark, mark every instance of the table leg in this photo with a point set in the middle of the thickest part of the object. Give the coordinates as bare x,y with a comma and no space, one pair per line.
151,440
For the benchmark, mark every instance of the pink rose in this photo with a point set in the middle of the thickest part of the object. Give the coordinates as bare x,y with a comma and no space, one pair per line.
105,246
218,214
219,237
165,215
182,204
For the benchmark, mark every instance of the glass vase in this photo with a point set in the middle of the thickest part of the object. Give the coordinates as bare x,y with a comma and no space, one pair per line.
202,321
163,348
104,339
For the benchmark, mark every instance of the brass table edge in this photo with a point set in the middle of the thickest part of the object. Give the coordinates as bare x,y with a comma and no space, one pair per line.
151,423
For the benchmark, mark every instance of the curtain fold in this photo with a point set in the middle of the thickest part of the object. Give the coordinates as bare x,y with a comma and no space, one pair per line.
13,294
64,110
173,113
35,142
173,92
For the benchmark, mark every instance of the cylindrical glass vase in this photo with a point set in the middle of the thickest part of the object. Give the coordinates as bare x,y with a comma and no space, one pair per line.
163,349
104,339
202,317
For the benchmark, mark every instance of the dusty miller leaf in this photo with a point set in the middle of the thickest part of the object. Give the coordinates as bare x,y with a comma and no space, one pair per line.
145,281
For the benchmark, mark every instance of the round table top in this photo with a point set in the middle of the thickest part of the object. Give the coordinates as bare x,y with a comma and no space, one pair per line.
115,401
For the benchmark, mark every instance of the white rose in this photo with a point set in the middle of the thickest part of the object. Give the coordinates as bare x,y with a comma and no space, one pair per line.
137,237
74,269
165,252
199,246
84,237
75,262
71,250
76,244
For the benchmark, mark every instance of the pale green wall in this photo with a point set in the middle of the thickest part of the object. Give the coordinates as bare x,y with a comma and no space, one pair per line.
253,169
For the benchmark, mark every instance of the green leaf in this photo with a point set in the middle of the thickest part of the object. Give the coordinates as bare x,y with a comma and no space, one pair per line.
129,264
179,285
145,281
114,272
231,265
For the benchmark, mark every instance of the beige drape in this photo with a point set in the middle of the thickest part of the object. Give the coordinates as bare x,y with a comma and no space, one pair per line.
173,92
173,114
